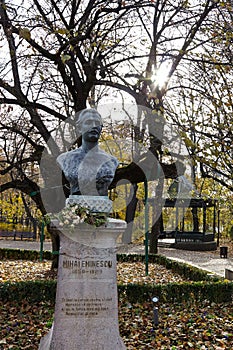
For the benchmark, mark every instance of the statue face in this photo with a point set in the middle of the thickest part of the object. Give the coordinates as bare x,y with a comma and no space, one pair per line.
91,127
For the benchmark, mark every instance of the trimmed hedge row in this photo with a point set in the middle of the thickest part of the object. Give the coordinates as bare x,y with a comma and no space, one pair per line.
37,291
33,291
217,292
21,254
188,271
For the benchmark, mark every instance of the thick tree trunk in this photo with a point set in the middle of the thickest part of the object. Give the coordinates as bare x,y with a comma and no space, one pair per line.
130,214
157,208
195,220
155,231
55,246
29,214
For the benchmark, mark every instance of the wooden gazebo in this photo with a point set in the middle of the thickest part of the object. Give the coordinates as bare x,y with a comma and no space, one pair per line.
202,239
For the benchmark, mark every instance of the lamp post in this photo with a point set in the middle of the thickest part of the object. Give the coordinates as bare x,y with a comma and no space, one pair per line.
155,311
146,227
42,240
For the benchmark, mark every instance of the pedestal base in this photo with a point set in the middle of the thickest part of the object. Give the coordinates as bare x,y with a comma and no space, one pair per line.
86,311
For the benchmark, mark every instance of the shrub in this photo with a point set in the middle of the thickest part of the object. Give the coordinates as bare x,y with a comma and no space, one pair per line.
37,291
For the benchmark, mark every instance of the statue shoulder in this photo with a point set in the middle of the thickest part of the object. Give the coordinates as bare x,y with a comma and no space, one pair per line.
68,156
62,157
110,158
115,161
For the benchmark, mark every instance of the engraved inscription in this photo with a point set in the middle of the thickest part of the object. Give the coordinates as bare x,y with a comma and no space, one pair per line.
87,307
86,263
88,267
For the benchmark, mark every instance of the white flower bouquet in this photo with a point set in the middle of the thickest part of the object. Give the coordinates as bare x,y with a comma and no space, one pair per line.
73,215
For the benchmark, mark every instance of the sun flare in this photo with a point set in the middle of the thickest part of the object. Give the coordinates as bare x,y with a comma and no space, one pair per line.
160,75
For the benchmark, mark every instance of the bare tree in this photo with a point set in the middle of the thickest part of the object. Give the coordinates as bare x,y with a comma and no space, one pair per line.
57,52
205,103
54,54
177,34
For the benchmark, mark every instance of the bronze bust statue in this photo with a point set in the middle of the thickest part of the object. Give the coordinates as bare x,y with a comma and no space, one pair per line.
88,169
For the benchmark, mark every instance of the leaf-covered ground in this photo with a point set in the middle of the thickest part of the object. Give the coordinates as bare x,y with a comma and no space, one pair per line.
191,325
198,326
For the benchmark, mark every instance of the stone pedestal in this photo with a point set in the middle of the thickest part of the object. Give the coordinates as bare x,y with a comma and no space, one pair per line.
86,311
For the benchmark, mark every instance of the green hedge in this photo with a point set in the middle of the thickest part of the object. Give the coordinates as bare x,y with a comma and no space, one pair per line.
37,291
217,292
30,290
21,254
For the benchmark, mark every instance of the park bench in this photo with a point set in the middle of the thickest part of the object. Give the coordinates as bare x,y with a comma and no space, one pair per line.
189,236
194,236
167,234
18,234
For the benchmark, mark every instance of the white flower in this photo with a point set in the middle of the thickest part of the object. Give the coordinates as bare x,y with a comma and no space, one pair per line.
76,221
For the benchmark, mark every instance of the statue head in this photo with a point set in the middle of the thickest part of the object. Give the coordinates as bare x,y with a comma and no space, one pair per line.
89,124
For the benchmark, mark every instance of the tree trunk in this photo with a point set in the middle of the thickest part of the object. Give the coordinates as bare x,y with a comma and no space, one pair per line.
29,214
55,246
130,214
155,231
195,220
157,213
